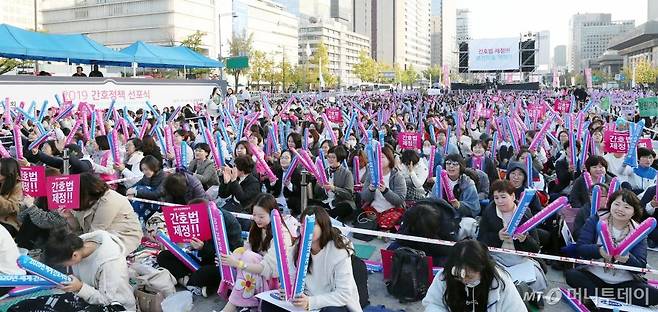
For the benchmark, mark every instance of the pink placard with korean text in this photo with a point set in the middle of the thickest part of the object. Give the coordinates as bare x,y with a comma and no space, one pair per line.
63,192
334,114
33,180
409,140
187,222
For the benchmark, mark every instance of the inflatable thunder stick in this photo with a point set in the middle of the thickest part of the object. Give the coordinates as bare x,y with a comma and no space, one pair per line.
281,253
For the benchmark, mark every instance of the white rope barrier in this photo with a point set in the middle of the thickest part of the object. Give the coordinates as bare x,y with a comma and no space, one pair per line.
451,243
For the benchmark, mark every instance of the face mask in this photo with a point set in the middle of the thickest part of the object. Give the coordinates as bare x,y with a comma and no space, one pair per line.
351,143
427,150
473,284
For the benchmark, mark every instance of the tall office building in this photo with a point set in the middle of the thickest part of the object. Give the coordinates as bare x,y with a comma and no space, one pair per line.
463,25
652,10
449,48
119,23
20,13
343,12
560,56
589,35
362,17
543,56
343,46
401,32
274,29
435,40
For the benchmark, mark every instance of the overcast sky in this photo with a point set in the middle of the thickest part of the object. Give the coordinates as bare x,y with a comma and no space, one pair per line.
508,18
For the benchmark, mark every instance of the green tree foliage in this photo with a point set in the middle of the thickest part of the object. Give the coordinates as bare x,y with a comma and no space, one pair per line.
367,69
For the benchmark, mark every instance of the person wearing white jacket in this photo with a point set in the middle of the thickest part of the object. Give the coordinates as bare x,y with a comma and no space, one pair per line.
256,263
100,272
471,281
130,170
329,285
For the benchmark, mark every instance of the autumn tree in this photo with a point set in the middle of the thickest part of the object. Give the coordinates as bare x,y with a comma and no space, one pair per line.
433,74
367,69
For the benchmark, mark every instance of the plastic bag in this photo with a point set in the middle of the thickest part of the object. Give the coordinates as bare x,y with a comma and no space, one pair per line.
178,302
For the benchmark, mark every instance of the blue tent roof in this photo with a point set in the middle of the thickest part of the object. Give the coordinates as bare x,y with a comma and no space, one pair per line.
150,55
24,44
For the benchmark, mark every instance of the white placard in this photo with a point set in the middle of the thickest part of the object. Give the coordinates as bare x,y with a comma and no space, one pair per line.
100,92
493,54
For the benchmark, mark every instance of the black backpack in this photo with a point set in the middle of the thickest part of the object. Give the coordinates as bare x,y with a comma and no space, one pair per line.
410,275
360,273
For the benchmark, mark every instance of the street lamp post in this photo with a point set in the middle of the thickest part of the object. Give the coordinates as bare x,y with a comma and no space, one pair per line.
219,30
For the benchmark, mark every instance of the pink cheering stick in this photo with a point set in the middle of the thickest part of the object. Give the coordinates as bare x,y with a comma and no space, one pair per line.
606,238
213,148
322,175
306,158
327,127
220,239
431,162
573,302
542,216
18,141
588,180
281,254
614,186
143,130
445,181
116,156
7,112
380,170
85,126
169,139
178,252
101,122
635,237
265,169
3,152
69,138
542,133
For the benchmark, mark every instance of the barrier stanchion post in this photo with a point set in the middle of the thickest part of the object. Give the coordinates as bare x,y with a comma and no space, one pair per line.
304,185
66,161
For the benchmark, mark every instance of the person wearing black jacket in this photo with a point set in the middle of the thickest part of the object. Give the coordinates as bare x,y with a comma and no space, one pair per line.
566,173
430,218
239,186
597,167
149,187
76,163
206,280
493,231
291,192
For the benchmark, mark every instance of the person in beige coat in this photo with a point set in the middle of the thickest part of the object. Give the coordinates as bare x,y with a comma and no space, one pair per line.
11,195
104,209
100,272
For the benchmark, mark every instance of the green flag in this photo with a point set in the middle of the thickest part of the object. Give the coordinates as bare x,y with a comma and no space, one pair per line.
605,103
648,106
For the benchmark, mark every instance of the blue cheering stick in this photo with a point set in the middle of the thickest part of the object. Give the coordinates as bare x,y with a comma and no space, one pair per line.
127,118
152,109
520,210
110,110
42,112
58,99
30,110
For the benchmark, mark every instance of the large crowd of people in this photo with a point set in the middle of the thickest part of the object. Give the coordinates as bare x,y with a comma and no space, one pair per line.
475,157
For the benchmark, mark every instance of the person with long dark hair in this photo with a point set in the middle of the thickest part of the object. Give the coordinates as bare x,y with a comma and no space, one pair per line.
256,264
101,208
181,187
471,281
149,147
331,254
288,195
98,263
11,195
